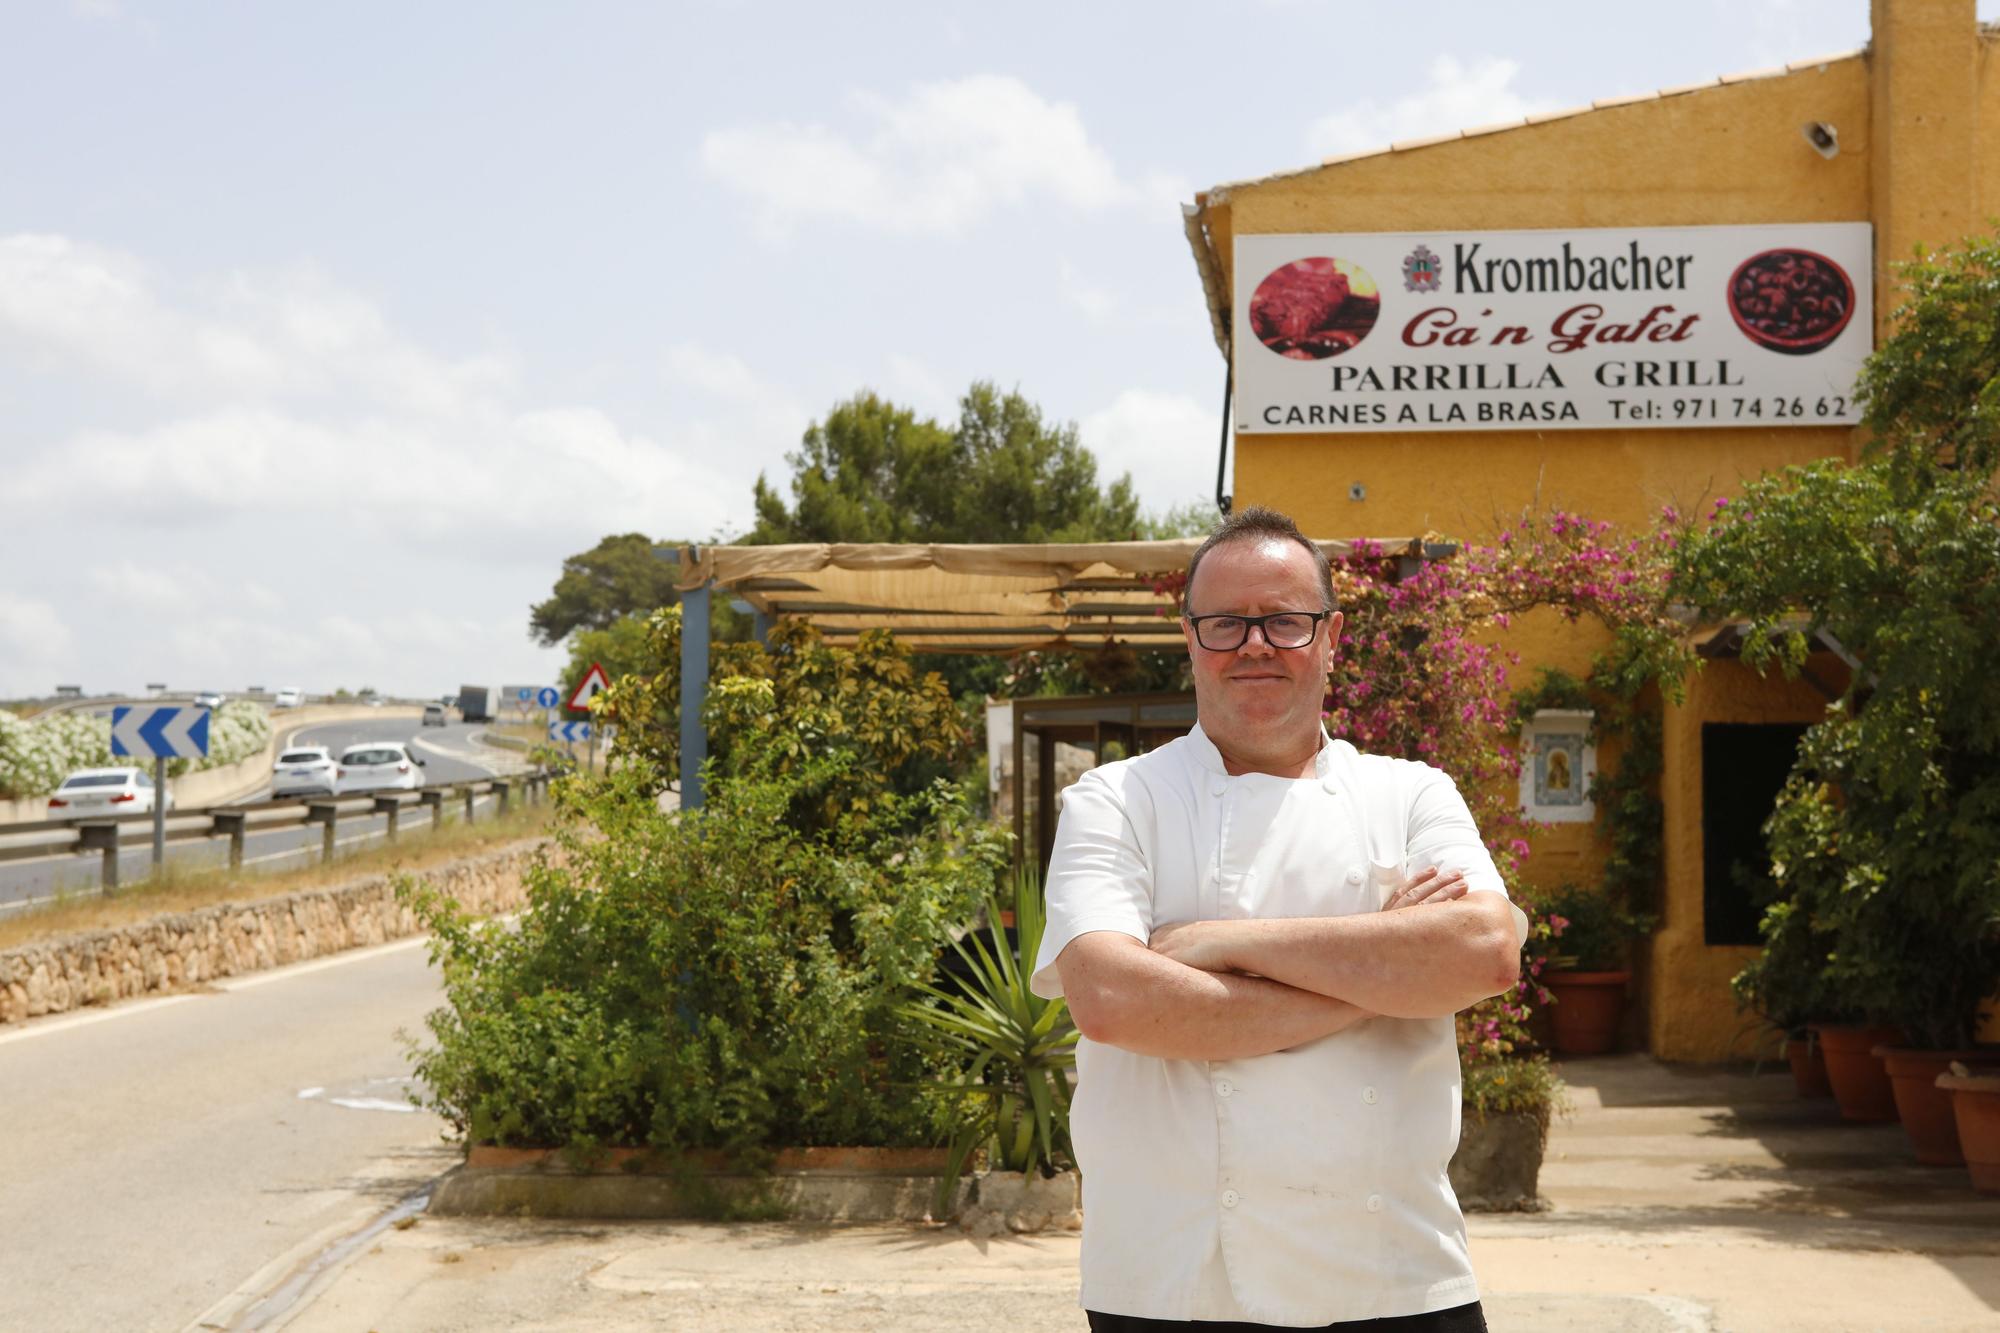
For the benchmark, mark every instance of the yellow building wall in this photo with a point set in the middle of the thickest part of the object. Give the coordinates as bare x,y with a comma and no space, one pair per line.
1691,1014
1912,162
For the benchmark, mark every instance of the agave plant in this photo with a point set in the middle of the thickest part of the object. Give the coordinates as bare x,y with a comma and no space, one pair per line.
1017,1048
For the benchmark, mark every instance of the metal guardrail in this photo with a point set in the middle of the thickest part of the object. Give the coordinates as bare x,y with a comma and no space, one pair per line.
112,834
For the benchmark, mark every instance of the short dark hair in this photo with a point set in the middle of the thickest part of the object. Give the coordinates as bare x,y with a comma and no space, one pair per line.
1254,522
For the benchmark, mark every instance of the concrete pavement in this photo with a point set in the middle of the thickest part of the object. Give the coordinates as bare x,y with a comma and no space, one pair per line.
1682,1199
159,1152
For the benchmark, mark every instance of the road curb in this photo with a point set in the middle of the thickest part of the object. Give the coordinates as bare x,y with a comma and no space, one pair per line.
803,1185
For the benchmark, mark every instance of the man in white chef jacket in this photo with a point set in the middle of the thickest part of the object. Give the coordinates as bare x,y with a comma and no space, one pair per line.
1263,936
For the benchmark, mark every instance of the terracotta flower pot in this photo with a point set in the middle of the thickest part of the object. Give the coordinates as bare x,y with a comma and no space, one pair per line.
1924,1108
1975,1104
1587,1009
1808,1061
1861,1086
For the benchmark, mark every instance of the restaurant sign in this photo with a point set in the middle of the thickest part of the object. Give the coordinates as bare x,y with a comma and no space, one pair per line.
1540,330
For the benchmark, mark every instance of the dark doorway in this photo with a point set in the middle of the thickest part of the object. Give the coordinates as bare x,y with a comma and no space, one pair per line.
1743,768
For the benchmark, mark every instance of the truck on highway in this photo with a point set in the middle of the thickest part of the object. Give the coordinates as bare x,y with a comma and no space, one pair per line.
479,703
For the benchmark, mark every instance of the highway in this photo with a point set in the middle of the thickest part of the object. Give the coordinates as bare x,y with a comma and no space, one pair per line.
450,754
163,1154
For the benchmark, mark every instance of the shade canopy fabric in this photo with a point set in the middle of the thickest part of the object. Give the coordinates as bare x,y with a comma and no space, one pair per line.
970,598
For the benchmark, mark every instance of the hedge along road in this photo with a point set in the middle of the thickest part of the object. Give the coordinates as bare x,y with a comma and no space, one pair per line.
450,754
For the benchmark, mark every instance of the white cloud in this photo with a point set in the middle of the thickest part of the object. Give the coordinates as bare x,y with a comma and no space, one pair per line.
913,384
940,159
291,486
718,373
1166,441
32,635
1094,301
127,583
1458,96
71,306
500,475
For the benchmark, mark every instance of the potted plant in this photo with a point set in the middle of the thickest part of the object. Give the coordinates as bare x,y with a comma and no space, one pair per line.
1011,1095
1975,1103
1588,973
1785,987
1885,836
1508,1102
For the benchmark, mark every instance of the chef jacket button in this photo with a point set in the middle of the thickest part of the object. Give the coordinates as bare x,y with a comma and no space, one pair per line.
1374,1203
1230,1198
1223,1087
1330,786
1354,877
1217,787
1368,1095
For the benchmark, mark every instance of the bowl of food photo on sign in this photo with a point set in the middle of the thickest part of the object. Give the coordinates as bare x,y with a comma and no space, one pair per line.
1791,301
1311,309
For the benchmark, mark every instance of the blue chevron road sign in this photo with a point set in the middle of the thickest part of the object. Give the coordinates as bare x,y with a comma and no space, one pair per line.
159,732
569,731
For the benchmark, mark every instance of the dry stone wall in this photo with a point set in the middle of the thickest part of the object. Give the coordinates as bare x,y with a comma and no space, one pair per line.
231,939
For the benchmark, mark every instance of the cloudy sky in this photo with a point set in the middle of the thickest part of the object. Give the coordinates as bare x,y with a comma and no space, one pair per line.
328,330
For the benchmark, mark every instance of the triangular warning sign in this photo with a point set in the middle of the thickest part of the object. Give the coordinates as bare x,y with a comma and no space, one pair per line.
587,688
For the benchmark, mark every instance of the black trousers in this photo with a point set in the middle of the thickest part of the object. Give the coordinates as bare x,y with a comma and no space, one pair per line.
1458,1319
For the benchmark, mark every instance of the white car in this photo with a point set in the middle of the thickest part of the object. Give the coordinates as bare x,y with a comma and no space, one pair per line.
434,715
98,793
209,699
306,769
377,766
289,697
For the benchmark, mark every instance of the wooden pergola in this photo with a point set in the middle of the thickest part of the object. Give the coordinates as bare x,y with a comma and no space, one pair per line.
994,599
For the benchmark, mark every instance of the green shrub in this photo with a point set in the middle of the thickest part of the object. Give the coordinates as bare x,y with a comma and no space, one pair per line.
1885,841
718,979
776,706
1588,931
1516,1084
1014,1049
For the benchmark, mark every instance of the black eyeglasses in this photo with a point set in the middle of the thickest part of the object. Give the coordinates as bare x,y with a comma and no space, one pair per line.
1282,629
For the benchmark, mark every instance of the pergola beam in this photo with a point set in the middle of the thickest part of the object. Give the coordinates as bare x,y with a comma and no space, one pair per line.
694,691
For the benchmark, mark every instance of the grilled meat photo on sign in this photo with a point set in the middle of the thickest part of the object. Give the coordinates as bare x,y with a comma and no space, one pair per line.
1791,301
1314,308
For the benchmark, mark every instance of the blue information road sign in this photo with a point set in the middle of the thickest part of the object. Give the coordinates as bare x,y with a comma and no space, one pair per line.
569,731
548,697
164,732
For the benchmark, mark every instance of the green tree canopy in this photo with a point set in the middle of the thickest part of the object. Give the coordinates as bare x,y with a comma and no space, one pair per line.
1885,843
876,472
620,576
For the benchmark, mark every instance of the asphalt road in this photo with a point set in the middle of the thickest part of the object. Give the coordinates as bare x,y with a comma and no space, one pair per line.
164,1154
449,753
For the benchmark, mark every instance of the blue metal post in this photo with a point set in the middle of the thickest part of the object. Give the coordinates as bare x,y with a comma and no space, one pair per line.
760,623
694,690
